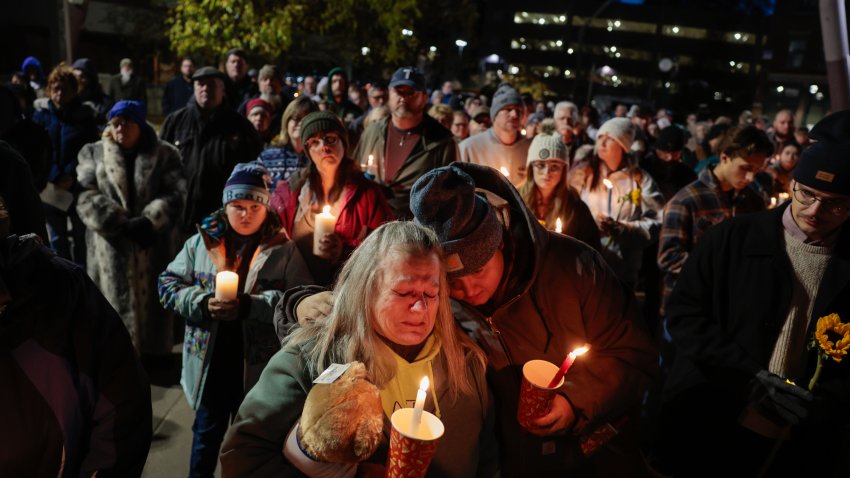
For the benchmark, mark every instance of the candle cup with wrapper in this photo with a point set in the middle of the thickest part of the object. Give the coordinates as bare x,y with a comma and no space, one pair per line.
535,394
412,446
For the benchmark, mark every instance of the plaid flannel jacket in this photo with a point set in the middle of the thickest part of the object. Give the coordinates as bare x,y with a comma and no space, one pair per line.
696,207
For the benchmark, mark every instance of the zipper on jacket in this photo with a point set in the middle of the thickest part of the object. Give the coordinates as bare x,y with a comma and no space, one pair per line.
498,334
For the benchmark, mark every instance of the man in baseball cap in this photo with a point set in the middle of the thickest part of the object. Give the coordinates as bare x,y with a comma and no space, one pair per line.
407,144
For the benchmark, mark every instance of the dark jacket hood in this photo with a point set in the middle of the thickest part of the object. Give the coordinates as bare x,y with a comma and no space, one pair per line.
527,237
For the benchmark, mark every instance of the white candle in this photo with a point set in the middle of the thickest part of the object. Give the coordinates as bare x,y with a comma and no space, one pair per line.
325,224
226,284
558,226
370,166
505,172
420,403
608,184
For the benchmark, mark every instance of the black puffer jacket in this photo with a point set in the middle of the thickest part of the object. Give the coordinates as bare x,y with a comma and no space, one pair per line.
211,147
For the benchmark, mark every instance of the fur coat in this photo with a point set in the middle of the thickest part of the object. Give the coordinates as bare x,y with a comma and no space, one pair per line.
125,272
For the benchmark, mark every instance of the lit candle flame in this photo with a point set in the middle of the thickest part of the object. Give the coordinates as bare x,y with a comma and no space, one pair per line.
326,209
423,385
580,351
505,172
371,160
608,184
523,132
558,227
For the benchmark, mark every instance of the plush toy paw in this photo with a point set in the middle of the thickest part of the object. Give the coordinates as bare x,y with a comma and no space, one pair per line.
342,422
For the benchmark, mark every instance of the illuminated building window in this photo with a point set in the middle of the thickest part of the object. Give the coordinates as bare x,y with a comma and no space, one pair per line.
539,44
742,38
540,18
684,32
545,71
615,24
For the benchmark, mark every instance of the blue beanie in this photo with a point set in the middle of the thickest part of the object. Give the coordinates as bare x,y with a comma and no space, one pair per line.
249,181
132,110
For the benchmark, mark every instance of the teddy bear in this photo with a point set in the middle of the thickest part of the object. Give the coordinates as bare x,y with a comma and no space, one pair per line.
342,421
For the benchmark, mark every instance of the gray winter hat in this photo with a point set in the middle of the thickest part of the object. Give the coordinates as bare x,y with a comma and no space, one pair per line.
444,199
620,130
506,95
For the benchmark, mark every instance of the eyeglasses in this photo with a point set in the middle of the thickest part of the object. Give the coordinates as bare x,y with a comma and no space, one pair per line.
835,206
327,140
552,167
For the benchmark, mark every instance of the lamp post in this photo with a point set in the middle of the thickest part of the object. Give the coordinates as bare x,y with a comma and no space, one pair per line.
460,44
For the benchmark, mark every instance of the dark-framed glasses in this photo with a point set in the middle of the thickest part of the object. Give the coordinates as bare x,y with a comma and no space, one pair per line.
835,206
328,140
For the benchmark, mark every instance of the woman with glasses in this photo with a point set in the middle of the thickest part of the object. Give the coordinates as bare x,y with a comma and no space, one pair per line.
330,179
549,197
285,155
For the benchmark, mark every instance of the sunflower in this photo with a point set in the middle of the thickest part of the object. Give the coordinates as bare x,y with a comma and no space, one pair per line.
833,336
634,196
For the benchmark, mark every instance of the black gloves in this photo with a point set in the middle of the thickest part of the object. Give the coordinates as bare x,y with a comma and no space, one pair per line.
779,400
139,230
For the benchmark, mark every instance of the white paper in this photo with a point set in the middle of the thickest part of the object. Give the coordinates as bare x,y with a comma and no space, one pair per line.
332,373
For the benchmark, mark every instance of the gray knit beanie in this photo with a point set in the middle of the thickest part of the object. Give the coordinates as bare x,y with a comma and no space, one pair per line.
547,147
444,199
506,95
620,130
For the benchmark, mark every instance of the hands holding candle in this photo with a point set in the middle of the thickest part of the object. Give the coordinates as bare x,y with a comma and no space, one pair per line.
224,306
326,244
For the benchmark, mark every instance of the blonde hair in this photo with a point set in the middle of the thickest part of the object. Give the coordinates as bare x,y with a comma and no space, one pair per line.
348,333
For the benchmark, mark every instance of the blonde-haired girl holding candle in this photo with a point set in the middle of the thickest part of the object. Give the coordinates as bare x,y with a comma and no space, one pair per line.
391,311
228,340
331,179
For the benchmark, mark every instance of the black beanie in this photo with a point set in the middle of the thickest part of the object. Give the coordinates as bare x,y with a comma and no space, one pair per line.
825,165
444,199
322,122
671,139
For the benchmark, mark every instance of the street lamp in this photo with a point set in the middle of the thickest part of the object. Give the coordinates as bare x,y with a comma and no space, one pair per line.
460,44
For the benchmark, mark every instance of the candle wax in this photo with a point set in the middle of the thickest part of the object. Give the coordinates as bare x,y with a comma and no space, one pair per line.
226,284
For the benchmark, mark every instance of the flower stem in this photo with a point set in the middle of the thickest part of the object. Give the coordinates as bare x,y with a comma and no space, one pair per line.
818,370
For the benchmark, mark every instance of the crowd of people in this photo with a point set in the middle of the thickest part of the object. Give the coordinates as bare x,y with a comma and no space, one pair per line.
471,233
